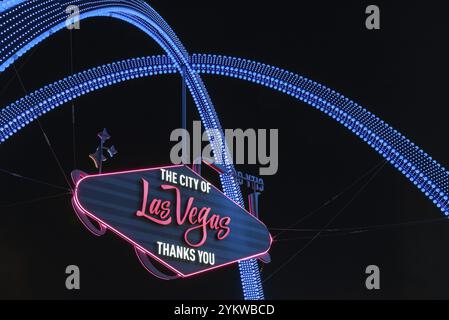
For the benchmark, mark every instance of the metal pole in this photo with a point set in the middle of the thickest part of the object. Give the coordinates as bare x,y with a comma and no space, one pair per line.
100,165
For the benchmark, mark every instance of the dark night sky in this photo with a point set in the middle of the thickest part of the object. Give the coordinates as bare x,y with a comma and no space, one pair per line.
396,72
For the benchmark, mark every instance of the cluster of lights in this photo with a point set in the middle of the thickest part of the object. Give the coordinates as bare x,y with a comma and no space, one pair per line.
249,273
7,4
30,22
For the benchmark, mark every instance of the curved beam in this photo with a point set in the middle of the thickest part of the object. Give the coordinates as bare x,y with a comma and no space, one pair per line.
147,263
38,19
424,172
7,4
28,23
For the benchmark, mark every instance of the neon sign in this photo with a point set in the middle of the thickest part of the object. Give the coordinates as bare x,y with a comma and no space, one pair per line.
201,218
172,215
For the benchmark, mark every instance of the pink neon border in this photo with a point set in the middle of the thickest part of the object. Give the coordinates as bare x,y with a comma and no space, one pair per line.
83,210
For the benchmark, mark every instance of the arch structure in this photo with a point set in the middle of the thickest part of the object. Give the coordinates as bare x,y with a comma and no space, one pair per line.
23,24
417,166
425,173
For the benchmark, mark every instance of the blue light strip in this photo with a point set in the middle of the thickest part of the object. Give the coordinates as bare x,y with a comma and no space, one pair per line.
7,4
424,172
24,24
415,164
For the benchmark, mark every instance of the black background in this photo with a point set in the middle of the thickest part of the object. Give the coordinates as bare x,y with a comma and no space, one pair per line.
396,72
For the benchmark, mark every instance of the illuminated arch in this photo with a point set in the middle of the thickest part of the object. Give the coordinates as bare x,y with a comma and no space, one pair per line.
25,24
424,172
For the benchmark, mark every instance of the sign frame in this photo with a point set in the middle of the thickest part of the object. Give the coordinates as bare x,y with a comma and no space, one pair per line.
80,209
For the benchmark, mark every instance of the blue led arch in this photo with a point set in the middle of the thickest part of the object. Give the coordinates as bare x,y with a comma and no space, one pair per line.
423,171
25,24
7,4
416,165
